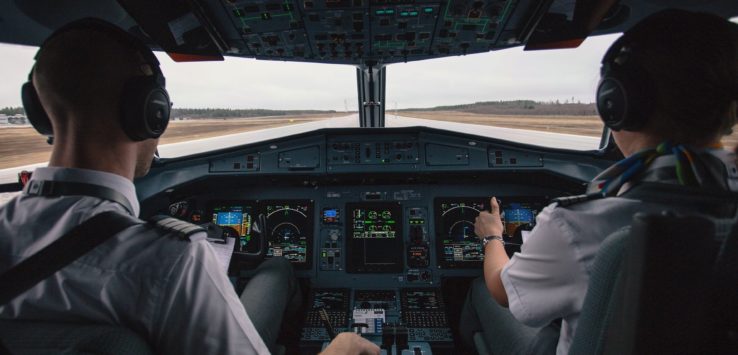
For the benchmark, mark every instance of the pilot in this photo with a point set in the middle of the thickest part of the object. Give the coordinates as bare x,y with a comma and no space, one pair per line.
90,79
678,72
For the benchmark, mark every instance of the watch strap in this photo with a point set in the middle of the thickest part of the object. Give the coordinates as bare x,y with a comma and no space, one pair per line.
486,240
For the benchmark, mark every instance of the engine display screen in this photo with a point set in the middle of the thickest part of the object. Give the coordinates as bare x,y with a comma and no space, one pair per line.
238,218
290,229
374,236
457,243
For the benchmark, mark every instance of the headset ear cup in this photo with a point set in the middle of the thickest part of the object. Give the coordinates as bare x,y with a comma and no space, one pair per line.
625,99
612,104
35,111
145,108
157,109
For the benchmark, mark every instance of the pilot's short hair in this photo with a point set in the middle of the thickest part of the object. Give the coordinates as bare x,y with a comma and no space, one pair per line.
692,58
83,70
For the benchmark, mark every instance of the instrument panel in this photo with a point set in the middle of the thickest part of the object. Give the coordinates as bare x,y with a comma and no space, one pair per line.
390,208
378,224
408,233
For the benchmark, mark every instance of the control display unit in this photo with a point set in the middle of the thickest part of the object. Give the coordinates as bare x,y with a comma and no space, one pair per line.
331,216
374,237
289,224
459,246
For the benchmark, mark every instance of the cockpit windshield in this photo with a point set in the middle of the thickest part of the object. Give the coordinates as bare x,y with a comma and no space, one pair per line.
543,98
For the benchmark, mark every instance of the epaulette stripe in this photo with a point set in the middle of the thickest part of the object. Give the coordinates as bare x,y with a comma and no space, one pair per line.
183,229
572,200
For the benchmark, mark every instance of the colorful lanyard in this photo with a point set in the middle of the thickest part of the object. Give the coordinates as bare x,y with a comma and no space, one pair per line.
609,182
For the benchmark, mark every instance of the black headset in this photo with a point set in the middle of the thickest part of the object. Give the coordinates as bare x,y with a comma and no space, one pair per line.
625,95
145,104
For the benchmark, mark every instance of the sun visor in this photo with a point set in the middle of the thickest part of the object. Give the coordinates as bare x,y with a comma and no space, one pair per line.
567,24
180,28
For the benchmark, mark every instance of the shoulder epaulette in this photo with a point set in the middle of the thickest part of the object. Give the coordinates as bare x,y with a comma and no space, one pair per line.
566,201
184,230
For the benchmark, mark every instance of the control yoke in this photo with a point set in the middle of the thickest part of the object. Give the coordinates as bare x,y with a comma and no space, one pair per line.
259,231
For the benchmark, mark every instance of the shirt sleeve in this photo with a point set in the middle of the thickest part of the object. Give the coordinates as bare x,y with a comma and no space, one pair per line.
542,282
200,312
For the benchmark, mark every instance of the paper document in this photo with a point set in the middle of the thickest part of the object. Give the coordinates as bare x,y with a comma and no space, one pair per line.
224,252
525,235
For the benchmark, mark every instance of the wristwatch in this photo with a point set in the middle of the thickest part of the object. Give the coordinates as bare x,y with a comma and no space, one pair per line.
486,240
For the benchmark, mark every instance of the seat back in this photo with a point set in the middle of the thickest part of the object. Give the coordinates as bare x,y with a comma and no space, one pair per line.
33,337
668,285
598,307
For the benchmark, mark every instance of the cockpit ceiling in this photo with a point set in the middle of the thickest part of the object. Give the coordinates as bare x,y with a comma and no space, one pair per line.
341,31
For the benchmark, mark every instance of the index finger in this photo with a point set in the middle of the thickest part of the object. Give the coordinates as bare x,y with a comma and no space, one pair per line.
493,205
368,348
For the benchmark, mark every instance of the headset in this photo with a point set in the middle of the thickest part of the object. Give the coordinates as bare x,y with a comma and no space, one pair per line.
144,105
626,96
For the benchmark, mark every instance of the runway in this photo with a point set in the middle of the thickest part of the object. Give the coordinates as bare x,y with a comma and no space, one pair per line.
545,139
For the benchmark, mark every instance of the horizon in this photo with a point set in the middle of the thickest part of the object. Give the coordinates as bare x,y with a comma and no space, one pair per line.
550,102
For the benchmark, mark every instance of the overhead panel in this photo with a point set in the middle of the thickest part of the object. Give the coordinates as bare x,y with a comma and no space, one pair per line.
361,31
471,26
269,29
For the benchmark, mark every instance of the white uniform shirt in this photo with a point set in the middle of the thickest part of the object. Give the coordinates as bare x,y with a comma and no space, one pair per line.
173,292
548,279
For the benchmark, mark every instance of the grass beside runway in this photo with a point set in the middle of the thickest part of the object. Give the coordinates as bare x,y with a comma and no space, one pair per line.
590,126
23,146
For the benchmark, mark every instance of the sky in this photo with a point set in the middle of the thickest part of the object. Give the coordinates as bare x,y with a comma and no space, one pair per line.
240,83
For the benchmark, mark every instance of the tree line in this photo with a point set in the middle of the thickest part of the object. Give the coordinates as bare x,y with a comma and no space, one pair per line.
202,113
520,107
514,107
10,111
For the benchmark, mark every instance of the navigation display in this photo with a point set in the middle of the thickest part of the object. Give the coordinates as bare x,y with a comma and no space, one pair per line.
457,243
290,230
237,216
374,236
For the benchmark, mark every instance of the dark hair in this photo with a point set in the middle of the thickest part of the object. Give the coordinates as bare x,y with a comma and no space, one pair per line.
84,70
692,58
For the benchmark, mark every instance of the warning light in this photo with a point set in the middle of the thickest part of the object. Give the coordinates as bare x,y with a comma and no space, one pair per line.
428,10
404,14
390,11
380,12
413,13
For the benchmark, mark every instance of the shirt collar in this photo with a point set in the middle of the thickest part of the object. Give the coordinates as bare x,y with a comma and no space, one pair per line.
724,171
95,177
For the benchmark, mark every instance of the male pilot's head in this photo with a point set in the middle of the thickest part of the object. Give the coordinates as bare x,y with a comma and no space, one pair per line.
688,63
79,77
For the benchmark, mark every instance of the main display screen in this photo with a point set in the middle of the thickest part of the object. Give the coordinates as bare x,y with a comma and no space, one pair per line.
457,243
290,226
238,217
374,233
